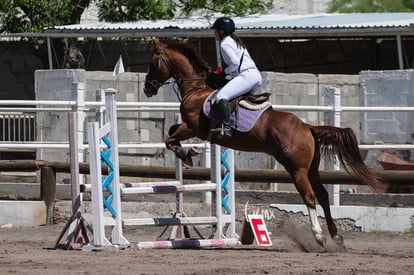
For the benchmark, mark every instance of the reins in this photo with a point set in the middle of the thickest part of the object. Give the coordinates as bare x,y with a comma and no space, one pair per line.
157,84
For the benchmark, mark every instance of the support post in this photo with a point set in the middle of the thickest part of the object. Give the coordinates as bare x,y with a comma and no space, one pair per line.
179,197
74,162
400,52
333,97
224,200
48,191
206,162
76,227
49,53
78,93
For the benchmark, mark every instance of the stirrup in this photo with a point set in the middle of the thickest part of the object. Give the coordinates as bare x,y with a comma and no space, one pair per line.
222,132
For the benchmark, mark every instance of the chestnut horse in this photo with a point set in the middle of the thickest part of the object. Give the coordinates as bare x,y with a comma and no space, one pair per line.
296,145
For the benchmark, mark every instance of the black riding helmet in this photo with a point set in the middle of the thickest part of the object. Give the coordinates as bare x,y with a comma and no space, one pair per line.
226,24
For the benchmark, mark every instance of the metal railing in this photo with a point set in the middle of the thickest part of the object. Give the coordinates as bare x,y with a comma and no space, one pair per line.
18,119
17,127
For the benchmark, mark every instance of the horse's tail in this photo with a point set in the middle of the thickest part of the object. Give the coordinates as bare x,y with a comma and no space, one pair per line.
342,142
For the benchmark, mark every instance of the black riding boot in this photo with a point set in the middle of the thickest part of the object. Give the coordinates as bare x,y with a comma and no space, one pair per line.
223,110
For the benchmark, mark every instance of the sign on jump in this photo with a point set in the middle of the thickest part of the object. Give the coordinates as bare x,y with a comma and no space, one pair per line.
261,234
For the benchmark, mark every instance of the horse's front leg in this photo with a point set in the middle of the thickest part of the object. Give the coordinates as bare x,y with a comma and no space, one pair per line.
177,133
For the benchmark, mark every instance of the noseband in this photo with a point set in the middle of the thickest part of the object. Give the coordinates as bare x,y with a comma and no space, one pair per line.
155,83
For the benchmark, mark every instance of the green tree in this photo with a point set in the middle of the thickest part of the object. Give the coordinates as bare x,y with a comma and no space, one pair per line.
347,6
31,16
130,10
18,16
35,15
231,7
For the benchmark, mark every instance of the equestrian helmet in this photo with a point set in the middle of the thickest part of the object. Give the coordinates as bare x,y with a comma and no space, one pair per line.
226,24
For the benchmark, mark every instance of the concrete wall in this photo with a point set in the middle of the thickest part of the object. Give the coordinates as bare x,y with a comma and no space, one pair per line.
133,127
387,88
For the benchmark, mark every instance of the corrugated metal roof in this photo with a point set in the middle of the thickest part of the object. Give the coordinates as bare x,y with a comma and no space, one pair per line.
277,25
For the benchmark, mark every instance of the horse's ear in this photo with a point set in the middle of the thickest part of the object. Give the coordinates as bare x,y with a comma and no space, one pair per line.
156,42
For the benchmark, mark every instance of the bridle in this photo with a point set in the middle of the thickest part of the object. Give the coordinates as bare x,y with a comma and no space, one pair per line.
156,84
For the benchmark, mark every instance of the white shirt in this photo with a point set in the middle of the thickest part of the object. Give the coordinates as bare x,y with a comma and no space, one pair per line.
232,53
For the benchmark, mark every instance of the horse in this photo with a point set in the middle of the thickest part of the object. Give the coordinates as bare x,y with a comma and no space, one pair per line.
296,145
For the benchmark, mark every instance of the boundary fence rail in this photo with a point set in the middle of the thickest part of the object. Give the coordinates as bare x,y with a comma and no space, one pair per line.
28,108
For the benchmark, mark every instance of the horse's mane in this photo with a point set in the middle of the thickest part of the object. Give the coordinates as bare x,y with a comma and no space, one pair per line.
200,66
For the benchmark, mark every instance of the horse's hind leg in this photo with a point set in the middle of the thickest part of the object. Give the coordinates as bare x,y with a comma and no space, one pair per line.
177,133
305,190
323,199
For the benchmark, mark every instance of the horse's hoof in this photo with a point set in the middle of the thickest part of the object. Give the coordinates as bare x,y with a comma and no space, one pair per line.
321,240
188,161
194,151
339,241
180,152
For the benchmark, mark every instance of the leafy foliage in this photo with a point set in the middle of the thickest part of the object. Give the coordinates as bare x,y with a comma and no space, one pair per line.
131,10
347,6
35,15
18,16
230,7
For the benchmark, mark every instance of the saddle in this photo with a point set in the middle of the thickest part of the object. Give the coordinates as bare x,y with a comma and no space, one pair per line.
245,110
251,101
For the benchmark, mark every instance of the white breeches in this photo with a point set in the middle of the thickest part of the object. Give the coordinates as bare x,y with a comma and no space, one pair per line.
248,80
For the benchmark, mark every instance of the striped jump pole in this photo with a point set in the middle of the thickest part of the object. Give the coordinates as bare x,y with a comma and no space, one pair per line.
180,244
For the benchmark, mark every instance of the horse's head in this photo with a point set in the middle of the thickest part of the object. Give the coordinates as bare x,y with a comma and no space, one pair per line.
158,71
175,60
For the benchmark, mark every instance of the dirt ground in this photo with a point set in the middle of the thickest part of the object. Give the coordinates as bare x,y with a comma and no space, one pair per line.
30,250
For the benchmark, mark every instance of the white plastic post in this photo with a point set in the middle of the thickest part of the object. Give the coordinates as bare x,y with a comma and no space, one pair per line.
335,94
206,162
216,178
100,112
99,238
110,103
231,230
225,220
78,93
74,163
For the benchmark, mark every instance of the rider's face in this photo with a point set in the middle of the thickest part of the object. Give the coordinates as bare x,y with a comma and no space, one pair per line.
218,34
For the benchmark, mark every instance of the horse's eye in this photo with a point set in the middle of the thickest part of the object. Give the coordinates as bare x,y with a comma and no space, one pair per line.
157,51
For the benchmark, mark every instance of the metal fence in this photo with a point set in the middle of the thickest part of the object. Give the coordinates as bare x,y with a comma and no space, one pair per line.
17,127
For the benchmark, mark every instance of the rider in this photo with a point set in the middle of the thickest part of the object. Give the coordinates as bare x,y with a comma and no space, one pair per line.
239,68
